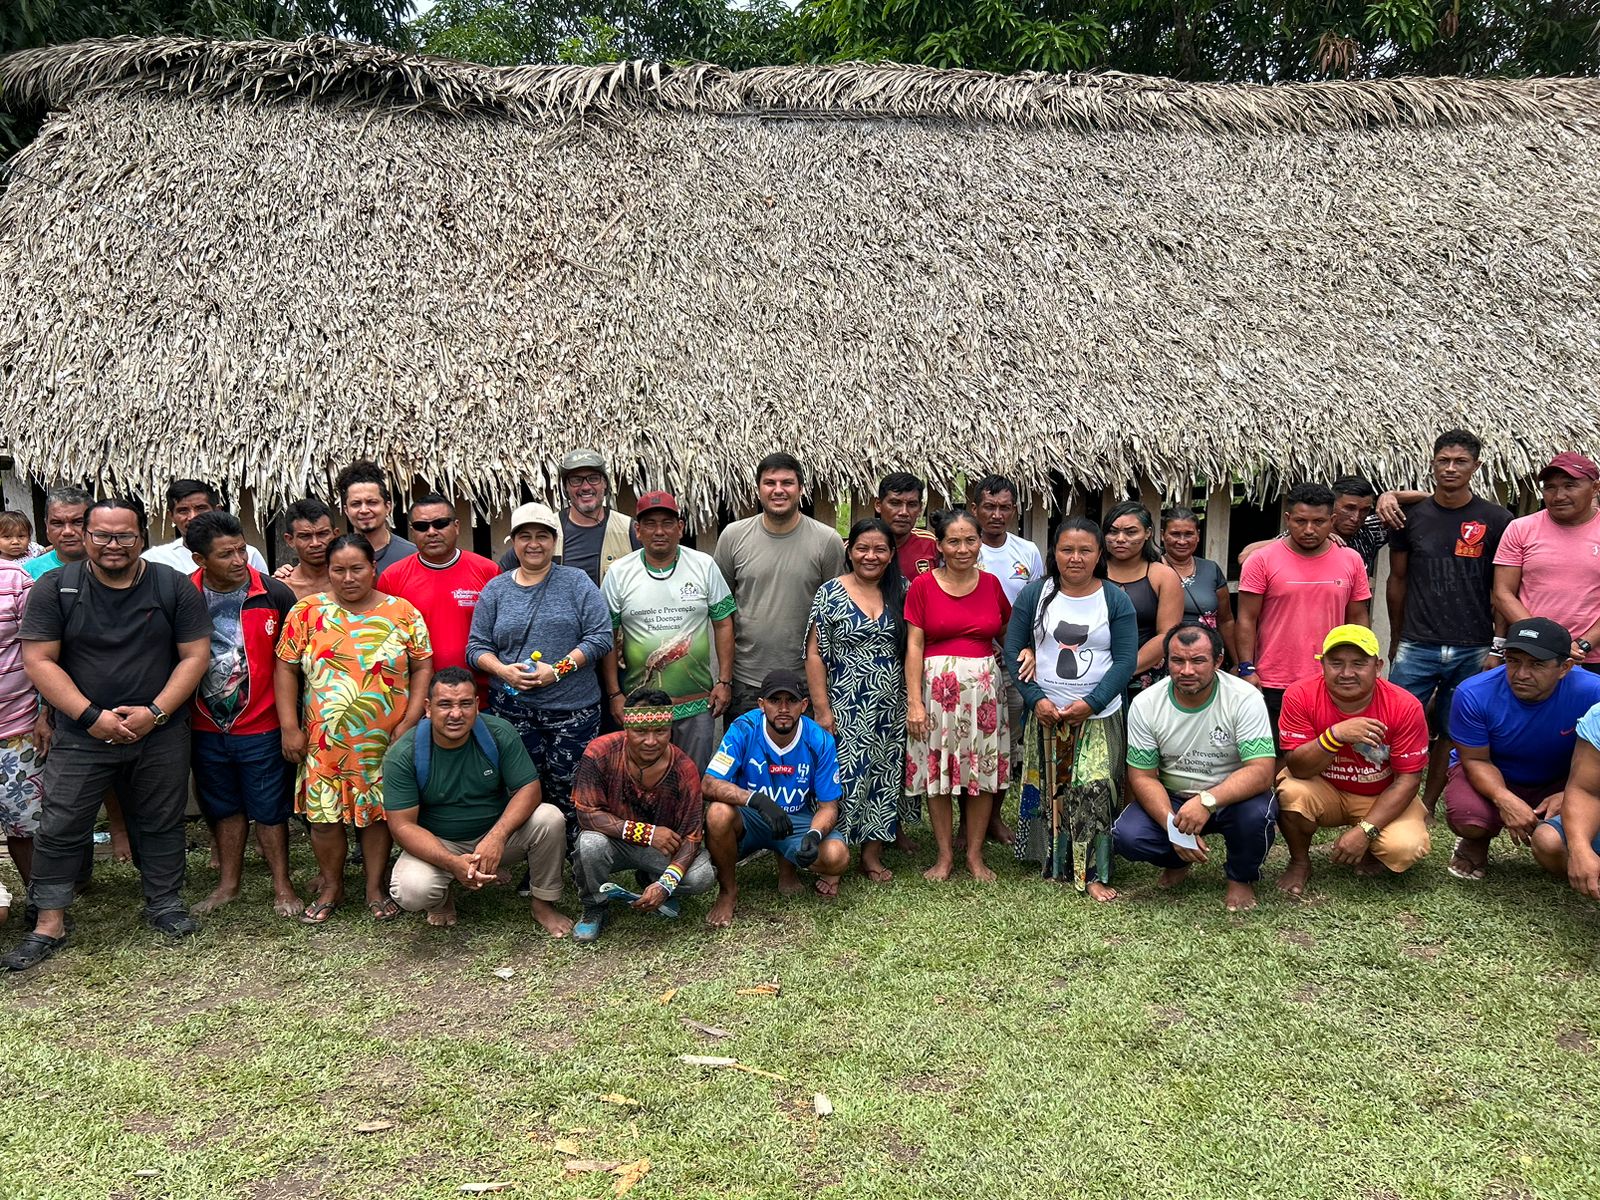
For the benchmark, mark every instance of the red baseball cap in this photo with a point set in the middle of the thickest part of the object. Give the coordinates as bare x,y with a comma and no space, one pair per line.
1570,462
653,500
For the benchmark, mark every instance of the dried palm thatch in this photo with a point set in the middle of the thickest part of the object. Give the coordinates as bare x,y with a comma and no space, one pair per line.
258,260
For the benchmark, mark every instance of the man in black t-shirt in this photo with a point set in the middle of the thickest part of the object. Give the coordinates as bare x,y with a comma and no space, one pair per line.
1441,573
116,646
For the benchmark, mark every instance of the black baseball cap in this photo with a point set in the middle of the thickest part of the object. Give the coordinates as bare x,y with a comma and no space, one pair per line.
783,680
1540,637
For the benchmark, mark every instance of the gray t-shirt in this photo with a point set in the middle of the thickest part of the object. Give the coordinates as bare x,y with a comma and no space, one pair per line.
581,546
774,579
397,549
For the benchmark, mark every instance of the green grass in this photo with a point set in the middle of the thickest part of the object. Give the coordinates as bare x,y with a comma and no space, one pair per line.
1388,1039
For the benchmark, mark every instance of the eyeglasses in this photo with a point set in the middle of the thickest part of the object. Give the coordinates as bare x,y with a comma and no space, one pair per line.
586,480
110,539
437,523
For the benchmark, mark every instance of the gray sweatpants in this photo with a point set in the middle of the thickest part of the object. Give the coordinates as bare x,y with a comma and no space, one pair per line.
597,858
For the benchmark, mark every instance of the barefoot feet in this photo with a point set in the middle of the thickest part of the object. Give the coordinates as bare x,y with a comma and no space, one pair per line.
1240,897
1295,876
556,924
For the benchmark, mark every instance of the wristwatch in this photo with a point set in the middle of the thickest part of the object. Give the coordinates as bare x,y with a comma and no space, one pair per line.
1207,801
1371,830
155,711
1585,645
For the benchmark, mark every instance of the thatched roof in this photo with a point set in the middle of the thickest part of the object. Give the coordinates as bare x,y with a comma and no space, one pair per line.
257,260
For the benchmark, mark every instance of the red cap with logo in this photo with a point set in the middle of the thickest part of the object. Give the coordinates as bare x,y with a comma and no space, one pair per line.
652,500
1570,462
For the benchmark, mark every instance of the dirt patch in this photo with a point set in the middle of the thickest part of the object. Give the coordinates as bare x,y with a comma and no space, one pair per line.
1409,919
1308,994
901,1151
149,1124
1503,1190
1380,1194
1575,1041
1165,1016
1297,937
303,1182
928,1084
1420,952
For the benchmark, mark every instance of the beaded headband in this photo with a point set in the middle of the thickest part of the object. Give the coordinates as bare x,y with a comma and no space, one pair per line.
650,716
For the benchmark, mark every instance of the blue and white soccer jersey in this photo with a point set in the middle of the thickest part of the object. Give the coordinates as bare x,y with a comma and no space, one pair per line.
798,779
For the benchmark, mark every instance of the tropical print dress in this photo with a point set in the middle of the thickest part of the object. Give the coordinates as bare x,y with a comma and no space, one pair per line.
357,669
867,692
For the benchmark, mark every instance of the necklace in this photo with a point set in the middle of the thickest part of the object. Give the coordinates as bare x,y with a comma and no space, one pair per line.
1186,580
637,775
659,573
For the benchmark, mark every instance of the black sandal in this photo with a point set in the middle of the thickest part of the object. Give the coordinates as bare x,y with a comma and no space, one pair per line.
32,950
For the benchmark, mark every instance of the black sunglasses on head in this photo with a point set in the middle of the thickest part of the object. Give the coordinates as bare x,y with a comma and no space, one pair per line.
437,523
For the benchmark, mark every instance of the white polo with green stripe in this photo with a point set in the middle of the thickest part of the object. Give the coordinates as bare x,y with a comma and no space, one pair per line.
1197,748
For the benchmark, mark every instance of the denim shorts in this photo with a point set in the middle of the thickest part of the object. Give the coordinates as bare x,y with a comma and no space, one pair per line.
1555,823
243,774
758,834
1434,673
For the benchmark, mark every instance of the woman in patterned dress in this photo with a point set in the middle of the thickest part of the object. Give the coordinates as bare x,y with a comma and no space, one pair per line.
958,747
366,661
854,653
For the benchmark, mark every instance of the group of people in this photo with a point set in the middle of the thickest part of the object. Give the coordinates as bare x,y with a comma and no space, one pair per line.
608,699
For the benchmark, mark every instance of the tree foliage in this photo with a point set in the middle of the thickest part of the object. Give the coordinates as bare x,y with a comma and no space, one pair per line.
1261,41
503,32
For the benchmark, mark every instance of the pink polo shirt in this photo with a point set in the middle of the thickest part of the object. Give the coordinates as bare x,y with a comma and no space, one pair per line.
1560,570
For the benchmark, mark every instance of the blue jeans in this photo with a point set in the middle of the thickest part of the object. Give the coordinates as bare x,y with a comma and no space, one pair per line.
1247,829
243,773
1434,673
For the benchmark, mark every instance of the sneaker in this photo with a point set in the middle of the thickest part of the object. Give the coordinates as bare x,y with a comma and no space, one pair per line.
175,924
588,927
32,950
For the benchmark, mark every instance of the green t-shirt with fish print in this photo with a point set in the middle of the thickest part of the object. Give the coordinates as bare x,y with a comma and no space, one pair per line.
663,619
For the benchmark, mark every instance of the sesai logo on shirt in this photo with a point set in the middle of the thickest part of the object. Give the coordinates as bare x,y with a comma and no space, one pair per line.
1219,736
1469,539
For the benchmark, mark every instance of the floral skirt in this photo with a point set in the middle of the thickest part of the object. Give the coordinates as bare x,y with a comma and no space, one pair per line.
20,795
968,747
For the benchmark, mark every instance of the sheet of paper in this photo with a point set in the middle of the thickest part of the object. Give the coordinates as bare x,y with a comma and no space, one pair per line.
1178,838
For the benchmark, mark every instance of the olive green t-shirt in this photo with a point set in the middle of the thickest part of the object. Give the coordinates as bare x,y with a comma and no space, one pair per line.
465,794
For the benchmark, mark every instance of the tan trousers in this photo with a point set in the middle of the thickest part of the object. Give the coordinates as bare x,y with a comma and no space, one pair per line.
418,886
1403,842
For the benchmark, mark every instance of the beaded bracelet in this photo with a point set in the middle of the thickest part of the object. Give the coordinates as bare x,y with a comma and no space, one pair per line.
1328,742
565,667
670,878
638,832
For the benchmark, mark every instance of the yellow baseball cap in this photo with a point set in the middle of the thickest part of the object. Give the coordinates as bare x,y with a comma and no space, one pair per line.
1359,636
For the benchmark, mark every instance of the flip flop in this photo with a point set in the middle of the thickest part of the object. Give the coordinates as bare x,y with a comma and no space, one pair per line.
318,912
1473,873
385,910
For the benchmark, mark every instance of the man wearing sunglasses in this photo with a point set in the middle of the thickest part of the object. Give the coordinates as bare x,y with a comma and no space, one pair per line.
593,535
441,580
116,646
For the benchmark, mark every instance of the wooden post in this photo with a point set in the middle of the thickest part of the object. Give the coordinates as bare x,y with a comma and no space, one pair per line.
1219,515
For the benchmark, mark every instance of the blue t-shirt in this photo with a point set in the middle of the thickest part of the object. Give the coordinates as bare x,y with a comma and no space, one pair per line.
799,778
1589,727
1529,743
